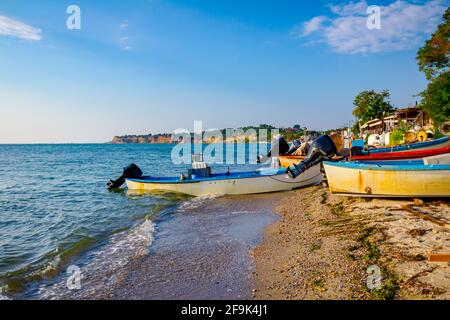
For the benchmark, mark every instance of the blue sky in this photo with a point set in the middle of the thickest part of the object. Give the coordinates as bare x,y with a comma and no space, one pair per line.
149,66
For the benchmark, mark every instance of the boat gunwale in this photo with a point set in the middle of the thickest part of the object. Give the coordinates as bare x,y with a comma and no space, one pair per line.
399,155
390,166
390,196
407,147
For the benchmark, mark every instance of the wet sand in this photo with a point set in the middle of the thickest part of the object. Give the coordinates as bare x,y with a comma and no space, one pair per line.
200,253
323,244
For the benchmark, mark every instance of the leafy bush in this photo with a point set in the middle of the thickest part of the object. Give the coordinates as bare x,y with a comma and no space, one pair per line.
397,136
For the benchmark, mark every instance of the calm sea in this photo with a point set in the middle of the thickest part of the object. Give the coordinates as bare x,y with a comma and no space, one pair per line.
56,213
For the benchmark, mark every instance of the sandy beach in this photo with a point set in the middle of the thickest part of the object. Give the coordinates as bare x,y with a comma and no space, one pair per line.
323,245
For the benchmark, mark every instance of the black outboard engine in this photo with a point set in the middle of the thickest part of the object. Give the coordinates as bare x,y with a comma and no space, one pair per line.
280,147
130,172
295,145
323,148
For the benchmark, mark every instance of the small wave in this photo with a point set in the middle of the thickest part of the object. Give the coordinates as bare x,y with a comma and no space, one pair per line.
103,267
15,282
3,289
242,212
161,194
195,203
50,268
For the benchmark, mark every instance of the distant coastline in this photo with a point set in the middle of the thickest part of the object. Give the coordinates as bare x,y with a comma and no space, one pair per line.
142,139
290,133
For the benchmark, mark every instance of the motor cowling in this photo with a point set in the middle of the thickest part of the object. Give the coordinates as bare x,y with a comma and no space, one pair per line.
295,145
279,147
129,172
321,149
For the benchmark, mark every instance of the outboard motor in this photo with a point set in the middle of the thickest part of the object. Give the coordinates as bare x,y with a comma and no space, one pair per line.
323,148
295,145
280,147
130,172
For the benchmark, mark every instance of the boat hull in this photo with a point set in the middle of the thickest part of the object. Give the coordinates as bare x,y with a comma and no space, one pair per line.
232,185
381,180
401,155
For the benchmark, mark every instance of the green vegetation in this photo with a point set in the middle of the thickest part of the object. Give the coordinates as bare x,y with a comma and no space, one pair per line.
390,286
373,253
325,223
397,136
318,280
323,197
436,99
337,209
434,60
315,246
319,283
370,105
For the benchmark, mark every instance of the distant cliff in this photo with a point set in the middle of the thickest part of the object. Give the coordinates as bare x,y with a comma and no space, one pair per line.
147,138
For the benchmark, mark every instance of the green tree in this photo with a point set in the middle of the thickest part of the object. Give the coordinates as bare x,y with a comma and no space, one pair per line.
371,104
397,136
434,60
436,99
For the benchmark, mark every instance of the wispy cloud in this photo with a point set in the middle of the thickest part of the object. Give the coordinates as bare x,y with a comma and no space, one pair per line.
313,25
350,8
123,25
125,44
124,41
13,28
403,25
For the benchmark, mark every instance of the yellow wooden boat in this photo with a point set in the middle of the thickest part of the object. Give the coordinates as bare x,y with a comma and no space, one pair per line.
396,179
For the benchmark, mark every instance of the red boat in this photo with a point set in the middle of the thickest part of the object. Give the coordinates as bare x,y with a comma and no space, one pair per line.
401,155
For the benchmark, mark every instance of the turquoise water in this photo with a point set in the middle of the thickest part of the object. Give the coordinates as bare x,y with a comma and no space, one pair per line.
55,209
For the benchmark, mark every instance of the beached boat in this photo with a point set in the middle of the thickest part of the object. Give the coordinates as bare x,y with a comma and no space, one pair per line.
401,155
259,181
395,179
426,145
411,151
287,161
